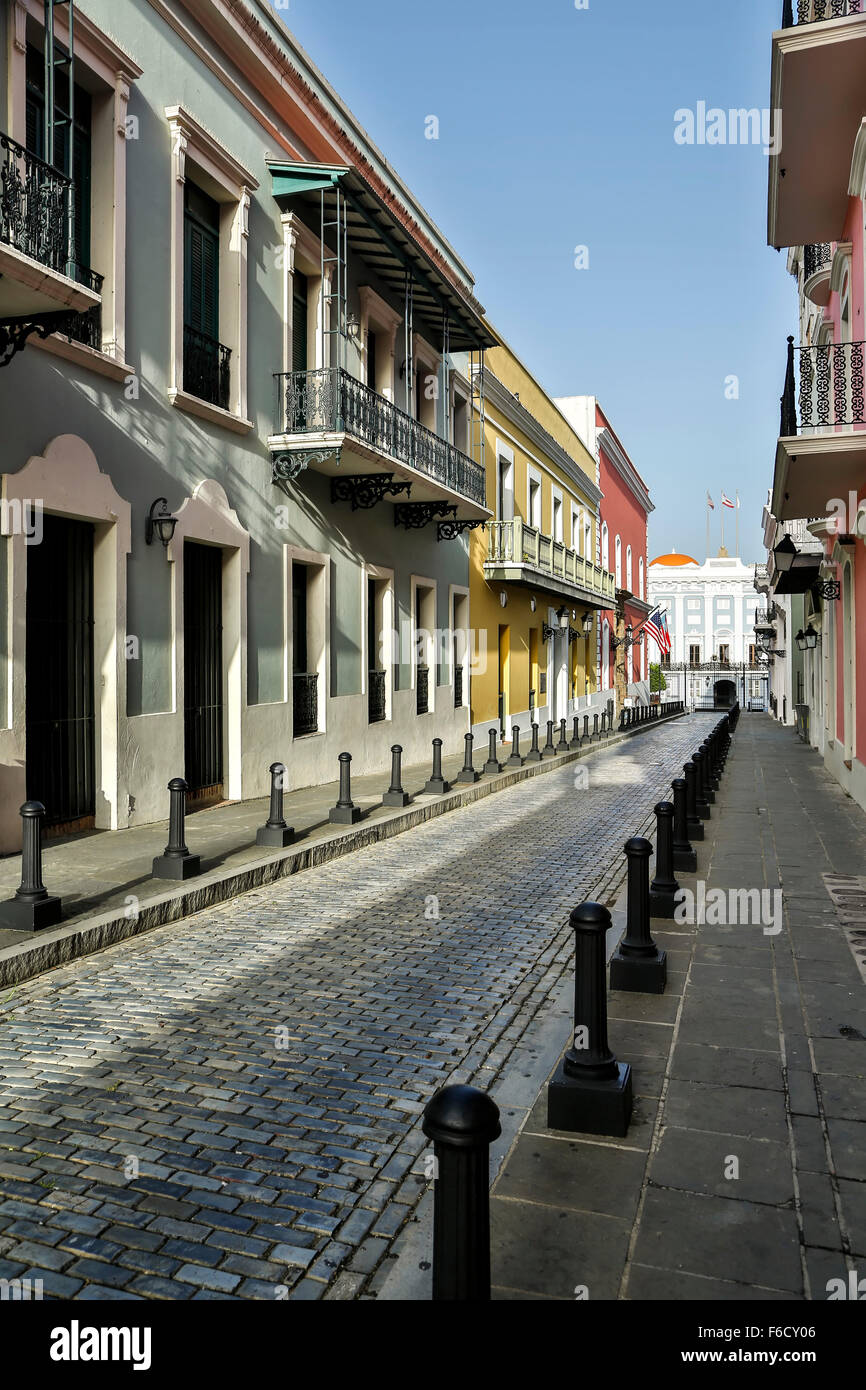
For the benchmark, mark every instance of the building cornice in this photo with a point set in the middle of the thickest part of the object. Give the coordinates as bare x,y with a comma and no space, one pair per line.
622,464
497,395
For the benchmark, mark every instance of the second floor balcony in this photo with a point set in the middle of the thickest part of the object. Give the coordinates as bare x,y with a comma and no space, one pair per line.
37,276
817,101
338,425
522,553
821,452
817,270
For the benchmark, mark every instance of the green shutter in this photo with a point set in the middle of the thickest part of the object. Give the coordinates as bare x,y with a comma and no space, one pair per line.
201,275
299,322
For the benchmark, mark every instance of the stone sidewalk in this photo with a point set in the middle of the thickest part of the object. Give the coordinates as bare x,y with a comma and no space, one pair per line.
743,1175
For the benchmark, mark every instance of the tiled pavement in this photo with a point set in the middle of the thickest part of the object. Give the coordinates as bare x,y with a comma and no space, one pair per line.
229,1107
756,1053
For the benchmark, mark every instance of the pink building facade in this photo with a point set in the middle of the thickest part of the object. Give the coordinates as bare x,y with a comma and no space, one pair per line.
817,211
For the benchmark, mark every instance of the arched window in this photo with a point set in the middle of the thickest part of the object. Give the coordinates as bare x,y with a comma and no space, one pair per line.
605,547
640,577
628,570
605,655
617,551
587,537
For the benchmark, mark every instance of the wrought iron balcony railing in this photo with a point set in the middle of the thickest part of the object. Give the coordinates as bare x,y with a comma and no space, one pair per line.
515,543
206,368
376,696
86,328
817,256
422,690
458,686
329,400
826,388
305,699
814,11
34,206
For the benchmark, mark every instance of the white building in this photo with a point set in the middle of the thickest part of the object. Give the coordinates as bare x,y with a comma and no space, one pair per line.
710,610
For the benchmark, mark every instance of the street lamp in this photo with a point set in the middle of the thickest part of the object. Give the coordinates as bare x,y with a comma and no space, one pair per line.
800,639
784,554
160,523
811,637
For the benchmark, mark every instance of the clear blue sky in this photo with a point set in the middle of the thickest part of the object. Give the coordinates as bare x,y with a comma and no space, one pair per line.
557,130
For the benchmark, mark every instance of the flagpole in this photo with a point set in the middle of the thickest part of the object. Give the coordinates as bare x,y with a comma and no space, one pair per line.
737,523
708,526
723,521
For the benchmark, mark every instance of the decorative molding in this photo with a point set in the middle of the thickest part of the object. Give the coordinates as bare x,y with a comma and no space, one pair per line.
623,466
857,181
209,151
414,515
841,263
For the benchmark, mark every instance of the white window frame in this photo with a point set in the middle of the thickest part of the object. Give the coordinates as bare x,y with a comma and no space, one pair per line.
556,496
605,546
617,560
533,476
389,625
504,455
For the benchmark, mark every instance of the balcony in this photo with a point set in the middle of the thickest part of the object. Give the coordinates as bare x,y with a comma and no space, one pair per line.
817,269
818,93
797,12
329,410
821,452
527,556
206,368
36,276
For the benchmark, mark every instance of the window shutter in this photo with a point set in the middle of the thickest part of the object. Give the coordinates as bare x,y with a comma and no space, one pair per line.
299,322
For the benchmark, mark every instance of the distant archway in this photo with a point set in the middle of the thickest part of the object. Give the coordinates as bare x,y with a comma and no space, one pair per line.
724,694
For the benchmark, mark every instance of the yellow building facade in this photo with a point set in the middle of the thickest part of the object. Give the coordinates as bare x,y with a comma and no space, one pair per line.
535,583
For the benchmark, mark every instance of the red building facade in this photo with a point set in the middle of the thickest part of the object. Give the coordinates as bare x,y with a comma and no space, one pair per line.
624,512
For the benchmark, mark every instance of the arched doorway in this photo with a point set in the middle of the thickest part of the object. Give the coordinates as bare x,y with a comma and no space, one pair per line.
724,694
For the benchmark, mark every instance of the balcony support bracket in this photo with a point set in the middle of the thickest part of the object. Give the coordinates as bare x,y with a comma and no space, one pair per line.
414,515
288,467
14,332
365,490
450,530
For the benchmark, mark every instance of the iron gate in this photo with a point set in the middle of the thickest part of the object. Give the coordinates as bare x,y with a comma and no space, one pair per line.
203,668
60,715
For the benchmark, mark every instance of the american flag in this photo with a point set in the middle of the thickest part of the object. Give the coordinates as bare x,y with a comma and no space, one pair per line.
726,502
655,626
666,634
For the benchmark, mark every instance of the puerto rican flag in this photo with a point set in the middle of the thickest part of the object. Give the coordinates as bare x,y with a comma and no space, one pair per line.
655,626
726,502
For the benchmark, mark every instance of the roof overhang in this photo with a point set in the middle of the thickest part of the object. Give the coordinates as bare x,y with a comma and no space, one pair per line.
811,470
377,235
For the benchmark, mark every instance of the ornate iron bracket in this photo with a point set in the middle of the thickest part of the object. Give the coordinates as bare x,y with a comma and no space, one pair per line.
14,332
414,515
365,490
450,530
287,467
829,589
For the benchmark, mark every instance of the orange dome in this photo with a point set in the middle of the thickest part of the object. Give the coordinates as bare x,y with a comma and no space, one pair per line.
674,559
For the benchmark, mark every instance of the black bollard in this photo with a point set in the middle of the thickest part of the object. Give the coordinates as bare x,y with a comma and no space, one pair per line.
467,772
534,754
436,783
575,733
693,817
585,738
664,887
685,856
462,1123
603,722
705,791
622,719
345,812
562,746
176,861
595,728
590,1092
492,765
395,795
548,751
515,760
638,965
275,833
33,907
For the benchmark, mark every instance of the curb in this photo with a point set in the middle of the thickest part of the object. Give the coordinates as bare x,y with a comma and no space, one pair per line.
62,945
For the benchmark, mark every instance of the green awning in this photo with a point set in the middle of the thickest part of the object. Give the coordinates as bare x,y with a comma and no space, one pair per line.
378,237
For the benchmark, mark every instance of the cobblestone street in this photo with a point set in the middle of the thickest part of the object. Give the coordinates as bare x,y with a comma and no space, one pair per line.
228,1107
